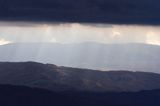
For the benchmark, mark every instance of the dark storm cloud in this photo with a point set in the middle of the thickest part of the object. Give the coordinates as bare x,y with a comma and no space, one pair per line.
94,11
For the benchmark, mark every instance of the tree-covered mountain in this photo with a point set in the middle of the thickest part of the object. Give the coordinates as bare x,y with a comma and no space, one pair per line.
58,78
136,57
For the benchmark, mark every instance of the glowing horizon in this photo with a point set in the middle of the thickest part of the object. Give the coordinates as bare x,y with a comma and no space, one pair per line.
78,32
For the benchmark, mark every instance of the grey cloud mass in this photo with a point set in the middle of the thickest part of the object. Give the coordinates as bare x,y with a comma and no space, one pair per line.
93,11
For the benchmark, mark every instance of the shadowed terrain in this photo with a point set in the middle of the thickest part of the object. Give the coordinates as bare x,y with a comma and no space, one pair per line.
56,78
26,96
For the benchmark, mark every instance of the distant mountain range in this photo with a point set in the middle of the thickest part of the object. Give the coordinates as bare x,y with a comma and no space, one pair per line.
136,57
26,96
58,78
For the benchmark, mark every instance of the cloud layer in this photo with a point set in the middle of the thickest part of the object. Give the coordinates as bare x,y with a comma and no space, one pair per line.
95,11
75,33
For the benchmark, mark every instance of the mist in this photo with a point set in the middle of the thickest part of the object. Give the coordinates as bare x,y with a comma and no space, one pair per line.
77,33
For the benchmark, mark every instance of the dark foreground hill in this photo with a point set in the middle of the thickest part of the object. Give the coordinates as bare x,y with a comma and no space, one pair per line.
25,96
56,78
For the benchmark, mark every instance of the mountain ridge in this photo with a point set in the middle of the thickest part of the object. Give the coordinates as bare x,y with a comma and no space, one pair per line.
26,96
59,78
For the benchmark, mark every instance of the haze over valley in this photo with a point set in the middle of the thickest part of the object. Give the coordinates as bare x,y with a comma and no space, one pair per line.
79,53
133,56
82,45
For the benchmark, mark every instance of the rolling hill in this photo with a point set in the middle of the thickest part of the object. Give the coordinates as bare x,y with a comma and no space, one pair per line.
26,96
59,78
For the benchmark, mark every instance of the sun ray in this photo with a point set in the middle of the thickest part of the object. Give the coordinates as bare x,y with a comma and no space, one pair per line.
3,41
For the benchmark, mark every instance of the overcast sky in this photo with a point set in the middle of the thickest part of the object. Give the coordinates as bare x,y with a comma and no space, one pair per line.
142,12
76,32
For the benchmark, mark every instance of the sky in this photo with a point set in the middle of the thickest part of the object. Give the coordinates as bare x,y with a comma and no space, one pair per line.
93,11
77,32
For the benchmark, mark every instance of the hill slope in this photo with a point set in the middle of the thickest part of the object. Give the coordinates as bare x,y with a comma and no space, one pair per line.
25,96
57,78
